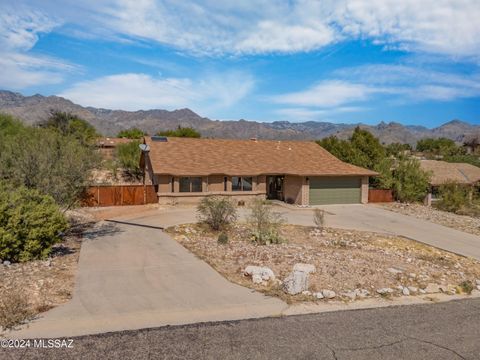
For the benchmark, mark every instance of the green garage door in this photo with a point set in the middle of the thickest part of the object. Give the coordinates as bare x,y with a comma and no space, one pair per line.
335,190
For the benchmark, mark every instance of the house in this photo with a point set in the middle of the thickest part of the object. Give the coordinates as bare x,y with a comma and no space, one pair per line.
298,172
443,172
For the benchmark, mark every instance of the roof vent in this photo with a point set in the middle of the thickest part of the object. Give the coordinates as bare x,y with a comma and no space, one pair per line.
159,138
253,139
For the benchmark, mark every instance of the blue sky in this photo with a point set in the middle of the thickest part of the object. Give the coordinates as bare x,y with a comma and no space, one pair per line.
414,62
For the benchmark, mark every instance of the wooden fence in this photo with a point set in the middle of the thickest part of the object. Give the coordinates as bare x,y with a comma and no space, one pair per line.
120,195
380,196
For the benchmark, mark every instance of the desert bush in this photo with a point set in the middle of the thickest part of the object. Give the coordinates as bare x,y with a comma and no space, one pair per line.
128,156
222,238
319,217
467,286
14,308
410,181
216,211
30,223
264,224
453,197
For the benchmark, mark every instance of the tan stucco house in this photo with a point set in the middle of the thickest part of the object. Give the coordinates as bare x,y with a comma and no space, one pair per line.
184,170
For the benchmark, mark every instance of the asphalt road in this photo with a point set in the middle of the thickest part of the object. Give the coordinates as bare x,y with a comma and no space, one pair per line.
438,331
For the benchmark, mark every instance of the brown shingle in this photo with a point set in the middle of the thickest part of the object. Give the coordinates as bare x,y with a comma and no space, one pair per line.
186,156
443,172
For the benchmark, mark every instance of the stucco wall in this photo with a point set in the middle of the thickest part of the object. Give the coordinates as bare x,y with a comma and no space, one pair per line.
215,183
164,183
293,189
364,189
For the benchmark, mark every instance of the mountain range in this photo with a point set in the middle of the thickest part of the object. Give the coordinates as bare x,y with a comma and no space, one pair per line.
36,108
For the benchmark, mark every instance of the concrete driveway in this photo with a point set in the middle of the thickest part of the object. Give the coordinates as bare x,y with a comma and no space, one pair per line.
133,277
354,217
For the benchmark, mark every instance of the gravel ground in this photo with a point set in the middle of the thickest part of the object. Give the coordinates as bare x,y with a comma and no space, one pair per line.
464,223
345,260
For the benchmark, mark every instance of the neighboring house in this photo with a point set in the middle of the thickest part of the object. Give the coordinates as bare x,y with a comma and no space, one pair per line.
298,172
444,172
107,145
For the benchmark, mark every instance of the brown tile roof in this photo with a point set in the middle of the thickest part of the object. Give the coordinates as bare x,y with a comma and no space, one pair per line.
443,172
186,156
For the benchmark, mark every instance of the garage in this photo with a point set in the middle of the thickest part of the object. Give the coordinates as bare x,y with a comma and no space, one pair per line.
335,190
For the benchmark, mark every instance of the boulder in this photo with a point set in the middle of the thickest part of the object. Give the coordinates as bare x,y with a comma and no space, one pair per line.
350,295
318,295
296,282
257,279
362,293
432,288
384,291
405,291
329,294
306,268
6,262
263,272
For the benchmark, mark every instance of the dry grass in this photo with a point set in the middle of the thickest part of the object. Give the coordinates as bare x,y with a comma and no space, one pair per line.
14,308
345,260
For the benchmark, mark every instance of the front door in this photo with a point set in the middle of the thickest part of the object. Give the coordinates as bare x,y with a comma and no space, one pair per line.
275,187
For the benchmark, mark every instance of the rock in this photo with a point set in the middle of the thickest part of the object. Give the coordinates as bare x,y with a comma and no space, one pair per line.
384,291
257,279
412,275
421,291
443,288
478,287
264,272
475,292
295,282
412,289
329,294
477,282
318,295
6,262
405,291
306,268
362,293
349,294
432,288
307,293
394,271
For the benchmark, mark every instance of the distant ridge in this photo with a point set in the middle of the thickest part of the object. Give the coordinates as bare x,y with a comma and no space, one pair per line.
32,109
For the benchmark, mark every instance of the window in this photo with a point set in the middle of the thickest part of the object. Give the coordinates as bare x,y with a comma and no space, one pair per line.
225,183
244,183
190,184
173,184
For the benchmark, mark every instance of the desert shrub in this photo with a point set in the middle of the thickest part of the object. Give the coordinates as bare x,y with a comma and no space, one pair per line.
180,132
46,160
132,133
319,217
30,223
467,286
128,156
14,308
410,181
453,197
216,211
222,238
264,224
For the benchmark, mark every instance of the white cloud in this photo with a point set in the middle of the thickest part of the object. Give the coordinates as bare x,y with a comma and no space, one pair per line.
140,91
19,31
300,114
328,93
449,27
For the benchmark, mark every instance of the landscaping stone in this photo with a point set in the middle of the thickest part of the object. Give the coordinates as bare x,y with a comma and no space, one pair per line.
405,291
257,279
412,289
6,262
329,294
306,268
421,291
432,288
307,293
318,295
477,282
295,282
394,271
384,291
475,292
263,272
349,294
362,293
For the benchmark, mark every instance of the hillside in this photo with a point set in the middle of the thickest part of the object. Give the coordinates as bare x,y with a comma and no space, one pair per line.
32,109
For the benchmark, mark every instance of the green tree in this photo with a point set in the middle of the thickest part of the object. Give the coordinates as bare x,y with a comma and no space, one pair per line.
30,223
68,124
439,146
180,132
397,149
128,156
386,179
132,133
410,181
372,152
